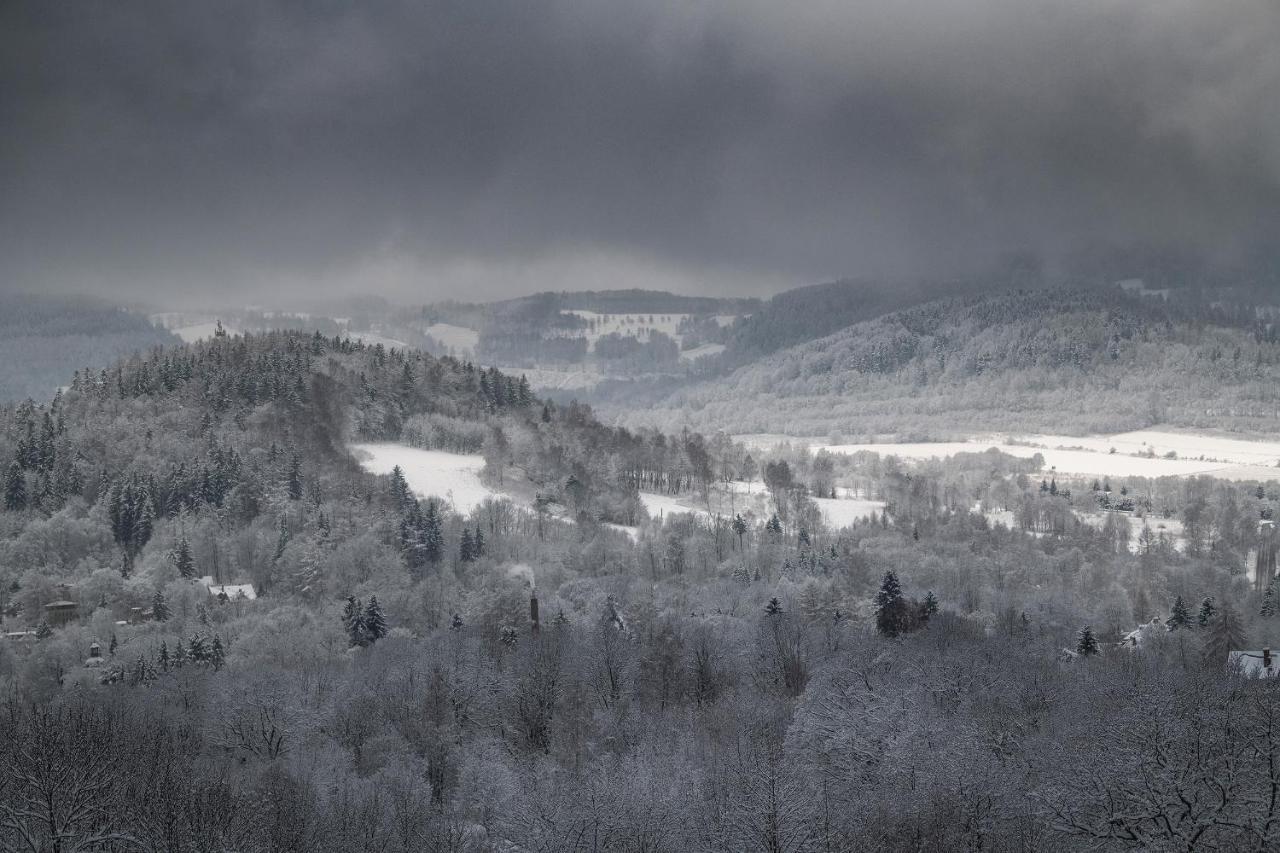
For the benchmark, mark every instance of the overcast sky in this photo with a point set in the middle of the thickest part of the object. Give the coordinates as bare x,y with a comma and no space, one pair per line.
480,148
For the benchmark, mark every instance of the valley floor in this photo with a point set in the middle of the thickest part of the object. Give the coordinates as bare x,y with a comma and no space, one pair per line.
1141,453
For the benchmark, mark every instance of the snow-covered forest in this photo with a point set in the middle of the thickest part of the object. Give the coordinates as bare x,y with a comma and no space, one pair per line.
224,631
658,427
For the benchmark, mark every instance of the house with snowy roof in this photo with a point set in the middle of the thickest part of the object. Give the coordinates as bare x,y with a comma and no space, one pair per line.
1138,636
1254,664
225,592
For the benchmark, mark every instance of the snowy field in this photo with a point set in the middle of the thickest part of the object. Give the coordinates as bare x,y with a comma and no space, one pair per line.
1155,442
701,352
1137,454
550,379
841,512
836,512
458,338
663,505
372,339
638,326
190,328
200,331
455,477
1169,527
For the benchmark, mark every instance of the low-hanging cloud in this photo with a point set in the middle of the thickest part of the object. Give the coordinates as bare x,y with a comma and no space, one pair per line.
417,148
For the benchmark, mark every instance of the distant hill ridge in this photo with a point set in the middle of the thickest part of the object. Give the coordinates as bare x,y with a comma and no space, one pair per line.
44,339
1077,359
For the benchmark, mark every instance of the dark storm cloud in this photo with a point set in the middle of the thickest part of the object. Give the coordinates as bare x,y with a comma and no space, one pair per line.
494,147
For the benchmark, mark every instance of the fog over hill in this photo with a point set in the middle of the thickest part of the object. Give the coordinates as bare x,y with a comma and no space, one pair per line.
43,340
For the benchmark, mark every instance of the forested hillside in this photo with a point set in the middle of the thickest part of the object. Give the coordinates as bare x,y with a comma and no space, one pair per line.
807,313
368,669
1067,359
44,339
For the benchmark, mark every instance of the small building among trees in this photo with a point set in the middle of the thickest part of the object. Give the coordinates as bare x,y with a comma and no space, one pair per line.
60,612
1254,664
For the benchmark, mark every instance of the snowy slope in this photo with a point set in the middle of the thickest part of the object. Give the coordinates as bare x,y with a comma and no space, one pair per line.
455,477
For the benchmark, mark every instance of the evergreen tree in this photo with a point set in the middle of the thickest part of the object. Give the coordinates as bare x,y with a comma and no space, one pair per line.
1207,610
1086,643
43,630
282,540
930,605
111,647
141,672
400,489
143,523
1180,617
739,528
456,623
477,544
217,655
159,609
432,537
295,478
891,607
1268,602
162,658
353,621
198,649
179,655
1225,635
465,552
375,624
182,559
773,608
15,489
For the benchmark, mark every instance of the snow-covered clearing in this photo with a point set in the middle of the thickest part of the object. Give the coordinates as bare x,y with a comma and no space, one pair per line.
841,512
550,379
1168,527
638,326
663,505
1137,454
459,338
1188,446
701,352
372,339
633,532
200,331
455,477
836,512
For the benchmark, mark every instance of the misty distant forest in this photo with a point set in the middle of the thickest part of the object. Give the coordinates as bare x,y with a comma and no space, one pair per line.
678,426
